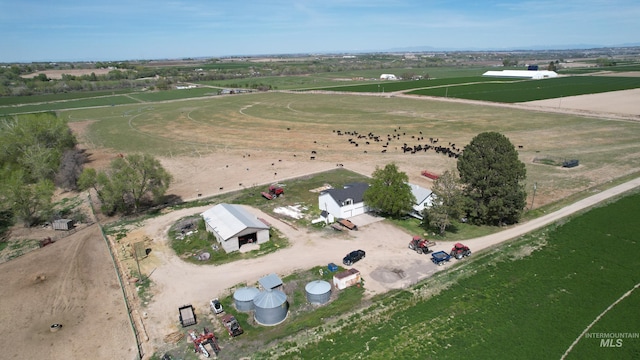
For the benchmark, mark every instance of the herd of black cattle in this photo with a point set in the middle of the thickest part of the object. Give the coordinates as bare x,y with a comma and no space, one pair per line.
356,139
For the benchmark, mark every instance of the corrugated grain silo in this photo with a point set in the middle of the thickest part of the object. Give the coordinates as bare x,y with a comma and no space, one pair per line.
243,298
271,307
318,292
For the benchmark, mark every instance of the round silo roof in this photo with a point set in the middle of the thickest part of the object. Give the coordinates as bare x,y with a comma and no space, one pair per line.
318,287
246,294
270,299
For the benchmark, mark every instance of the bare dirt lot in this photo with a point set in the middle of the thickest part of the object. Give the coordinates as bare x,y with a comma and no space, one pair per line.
57,74
73,283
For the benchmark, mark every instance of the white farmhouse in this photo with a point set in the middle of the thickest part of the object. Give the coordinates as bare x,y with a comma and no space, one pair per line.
233,226
344,203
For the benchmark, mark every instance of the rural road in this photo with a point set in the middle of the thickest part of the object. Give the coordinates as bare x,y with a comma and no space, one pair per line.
388,264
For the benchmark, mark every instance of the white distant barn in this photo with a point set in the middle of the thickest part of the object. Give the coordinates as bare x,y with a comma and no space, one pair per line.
525,74
388,77
233,226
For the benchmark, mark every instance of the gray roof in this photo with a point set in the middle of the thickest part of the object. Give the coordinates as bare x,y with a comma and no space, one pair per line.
246,294
270,281
229,220
270,299
420,193
350,191
318,287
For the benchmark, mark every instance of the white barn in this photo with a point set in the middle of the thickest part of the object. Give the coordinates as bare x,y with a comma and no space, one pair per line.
525,74
344,203
233,226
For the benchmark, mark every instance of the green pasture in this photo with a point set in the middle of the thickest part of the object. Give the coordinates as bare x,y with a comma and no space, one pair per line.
393,86
347,79
23,100
104,101
155,96
527,299
519,91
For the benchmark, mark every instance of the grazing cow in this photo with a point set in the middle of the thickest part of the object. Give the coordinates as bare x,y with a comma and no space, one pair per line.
313,158
313,151
520,146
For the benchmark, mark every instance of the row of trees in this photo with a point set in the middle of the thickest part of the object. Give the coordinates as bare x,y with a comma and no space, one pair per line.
38,154
487,189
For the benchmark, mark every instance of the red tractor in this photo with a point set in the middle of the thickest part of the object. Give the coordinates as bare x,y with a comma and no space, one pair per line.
420,245
274,192
459,251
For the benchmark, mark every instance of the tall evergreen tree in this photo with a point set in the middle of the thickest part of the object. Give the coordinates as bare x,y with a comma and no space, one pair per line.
492,175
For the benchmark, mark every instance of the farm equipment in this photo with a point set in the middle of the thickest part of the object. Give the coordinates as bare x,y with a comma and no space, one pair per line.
459,251
205,343
187,315
231,324
273,192
440,257
429,175
216,306
420,245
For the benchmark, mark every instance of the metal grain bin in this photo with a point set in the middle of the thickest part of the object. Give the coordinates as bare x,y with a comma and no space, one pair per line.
243,298
318,292
270,307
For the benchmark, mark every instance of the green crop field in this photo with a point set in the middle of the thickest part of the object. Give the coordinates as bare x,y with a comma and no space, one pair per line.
392,86
529,90
528,299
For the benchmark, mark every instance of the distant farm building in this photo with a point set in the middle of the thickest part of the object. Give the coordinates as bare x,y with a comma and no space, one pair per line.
233,226
388,77
524,74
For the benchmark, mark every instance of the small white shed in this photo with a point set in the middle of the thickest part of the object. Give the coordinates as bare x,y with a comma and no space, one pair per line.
346,278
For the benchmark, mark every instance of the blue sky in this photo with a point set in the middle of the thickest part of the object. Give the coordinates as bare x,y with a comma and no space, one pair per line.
76,30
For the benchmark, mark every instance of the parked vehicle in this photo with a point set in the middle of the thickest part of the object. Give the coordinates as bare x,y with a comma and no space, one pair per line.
273,192
216,306
231,324
440,257
353,257
459,251
420,245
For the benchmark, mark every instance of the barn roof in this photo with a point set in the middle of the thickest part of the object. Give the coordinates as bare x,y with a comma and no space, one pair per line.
270,281
228,220
421,194
353,191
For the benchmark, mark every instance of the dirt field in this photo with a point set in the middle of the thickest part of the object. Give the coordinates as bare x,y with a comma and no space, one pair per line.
71,282
57,74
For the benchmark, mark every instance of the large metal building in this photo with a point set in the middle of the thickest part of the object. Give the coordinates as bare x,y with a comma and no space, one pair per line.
243,298
233,226
271,307
318,292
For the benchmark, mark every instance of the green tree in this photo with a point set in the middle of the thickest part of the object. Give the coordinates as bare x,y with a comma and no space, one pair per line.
28,202
492,176
447,203
129,183
35,143
389,192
